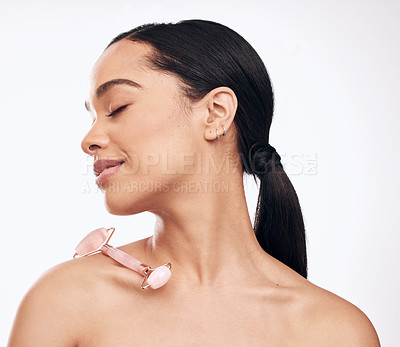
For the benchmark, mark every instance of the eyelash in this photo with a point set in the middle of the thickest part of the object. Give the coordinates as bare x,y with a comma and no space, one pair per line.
118,110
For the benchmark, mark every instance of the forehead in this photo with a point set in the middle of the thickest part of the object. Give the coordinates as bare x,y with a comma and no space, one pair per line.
123,59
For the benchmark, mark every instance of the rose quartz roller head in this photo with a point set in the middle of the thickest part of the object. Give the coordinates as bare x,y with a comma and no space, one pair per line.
97,241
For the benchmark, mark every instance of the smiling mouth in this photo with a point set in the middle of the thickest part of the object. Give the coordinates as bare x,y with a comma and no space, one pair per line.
101,164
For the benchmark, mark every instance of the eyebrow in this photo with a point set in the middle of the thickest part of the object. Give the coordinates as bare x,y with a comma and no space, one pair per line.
105,87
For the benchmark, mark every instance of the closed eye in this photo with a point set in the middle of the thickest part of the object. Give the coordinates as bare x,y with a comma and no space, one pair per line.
118,110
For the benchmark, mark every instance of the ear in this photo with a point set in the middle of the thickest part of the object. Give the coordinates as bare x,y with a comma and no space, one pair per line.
221,106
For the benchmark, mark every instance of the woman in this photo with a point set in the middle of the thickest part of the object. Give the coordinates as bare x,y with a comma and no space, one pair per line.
183,111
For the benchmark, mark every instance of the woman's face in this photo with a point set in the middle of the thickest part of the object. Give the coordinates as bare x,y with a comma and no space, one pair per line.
151,133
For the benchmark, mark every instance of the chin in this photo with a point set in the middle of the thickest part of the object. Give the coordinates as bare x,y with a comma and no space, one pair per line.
132,197
122,204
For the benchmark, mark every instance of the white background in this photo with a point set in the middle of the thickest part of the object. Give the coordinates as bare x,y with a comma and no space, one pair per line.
335,70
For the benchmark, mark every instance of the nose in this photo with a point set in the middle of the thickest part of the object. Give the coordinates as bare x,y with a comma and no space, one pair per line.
93,141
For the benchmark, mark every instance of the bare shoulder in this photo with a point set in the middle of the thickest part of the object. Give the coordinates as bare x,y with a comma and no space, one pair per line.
57,309
335,321
61,306
50,312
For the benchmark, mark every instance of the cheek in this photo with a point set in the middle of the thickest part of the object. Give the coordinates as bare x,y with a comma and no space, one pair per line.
152,130
158,151
156,143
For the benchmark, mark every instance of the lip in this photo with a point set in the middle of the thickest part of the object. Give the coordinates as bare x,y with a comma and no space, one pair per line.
104,169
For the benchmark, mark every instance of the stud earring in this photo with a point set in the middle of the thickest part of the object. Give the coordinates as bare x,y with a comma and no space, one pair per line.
218,137
224,131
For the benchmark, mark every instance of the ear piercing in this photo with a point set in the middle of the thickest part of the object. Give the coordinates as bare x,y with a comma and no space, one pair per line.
218,136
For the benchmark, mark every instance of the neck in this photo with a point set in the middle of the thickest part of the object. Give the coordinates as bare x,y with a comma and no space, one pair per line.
207,236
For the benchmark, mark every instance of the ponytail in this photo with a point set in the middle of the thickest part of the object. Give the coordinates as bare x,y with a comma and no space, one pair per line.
278,222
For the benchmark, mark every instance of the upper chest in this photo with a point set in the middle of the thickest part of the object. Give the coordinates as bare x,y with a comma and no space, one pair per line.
235,318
